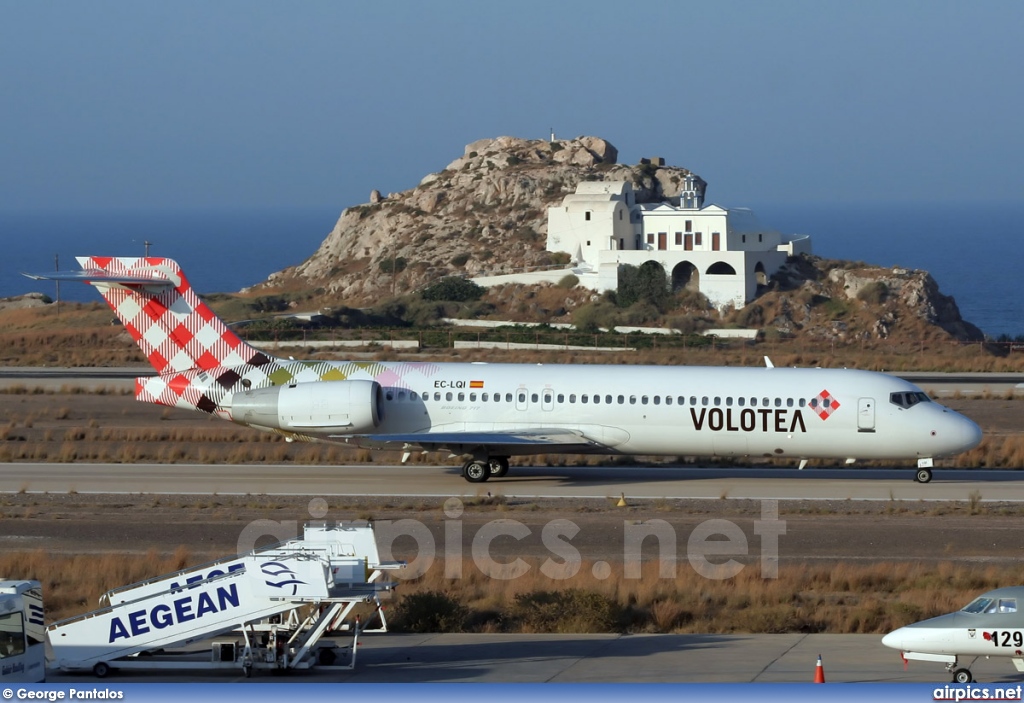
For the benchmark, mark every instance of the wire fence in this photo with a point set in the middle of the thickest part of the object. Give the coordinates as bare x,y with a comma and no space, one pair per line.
446,338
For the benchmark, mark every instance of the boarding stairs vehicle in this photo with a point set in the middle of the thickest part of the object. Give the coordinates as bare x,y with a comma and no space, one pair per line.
280,600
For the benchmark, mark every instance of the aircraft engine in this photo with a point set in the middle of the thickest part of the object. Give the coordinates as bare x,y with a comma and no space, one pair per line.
320,407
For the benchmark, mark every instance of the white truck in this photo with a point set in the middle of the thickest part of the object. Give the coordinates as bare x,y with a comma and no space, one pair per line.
22,633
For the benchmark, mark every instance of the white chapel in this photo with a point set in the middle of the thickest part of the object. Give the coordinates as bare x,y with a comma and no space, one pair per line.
723,253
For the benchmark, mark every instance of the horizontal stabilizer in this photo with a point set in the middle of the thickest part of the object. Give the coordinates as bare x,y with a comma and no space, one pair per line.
158,278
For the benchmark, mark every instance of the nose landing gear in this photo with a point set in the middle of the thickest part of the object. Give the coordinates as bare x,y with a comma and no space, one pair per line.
924,470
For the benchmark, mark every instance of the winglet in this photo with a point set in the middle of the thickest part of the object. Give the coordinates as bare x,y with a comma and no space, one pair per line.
768,362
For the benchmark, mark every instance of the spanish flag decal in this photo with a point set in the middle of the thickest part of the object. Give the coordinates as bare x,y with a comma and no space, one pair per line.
476,384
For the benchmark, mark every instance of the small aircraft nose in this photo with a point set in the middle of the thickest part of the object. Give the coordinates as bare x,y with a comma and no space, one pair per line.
894,639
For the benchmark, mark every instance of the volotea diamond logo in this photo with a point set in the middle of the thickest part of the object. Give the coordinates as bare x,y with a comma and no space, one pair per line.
824,405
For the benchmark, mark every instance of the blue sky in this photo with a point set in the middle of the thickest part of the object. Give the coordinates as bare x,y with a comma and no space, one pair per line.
249,104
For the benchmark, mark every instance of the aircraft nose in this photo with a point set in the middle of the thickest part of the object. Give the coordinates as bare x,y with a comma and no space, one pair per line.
972,434
955,434
894,640
965,433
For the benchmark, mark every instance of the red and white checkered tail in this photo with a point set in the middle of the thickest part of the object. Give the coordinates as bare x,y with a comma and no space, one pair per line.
155,302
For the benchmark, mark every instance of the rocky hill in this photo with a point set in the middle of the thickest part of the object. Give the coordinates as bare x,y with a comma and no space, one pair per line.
848,301
486,212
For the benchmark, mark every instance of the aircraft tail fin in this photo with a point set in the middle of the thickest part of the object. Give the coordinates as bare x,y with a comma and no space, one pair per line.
173,327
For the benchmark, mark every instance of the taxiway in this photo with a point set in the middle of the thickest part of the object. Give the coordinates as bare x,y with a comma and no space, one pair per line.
523,481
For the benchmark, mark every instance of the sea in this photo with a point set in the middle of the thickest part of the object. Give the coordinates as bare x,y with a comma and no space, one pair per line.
974,252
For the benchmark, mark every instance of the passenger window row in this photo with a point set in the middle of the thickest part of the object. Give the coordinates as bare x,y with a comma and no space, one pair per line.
598,399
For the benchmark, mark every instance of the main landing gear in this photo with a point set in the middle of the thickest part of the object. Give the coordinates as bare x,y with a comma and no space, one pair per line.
479,470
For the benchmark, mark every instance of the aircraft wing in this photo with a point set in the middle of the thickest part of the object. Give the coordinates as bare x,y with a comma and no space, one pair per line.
542,439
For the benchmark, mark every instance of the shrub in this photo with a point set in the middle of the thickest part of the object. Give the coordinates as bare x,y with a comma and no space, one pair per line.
452,288
396,265
593,316
641,313
686,324
422,313
691,300
874,293
750,316
573,610
527,235
560,258
569,281
646,283
460,259
270,303
835,308
429,611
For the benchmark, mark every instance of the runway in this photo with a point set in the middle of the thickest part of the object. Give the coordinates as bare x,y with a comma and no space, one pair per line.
522,482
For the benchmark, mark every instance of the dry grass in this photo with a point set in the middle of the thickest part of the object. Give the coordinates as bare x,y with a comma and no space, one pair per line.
72,584
995,451
836,598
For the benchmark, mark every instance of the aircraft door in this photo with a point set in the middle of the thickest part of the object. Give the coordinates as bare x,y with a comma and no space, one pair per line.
522,399
547,400
866,415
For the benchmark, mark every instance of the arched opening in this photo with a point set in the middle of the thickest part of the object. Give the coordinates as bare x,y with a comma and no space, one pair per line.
720,268
685,276
760,275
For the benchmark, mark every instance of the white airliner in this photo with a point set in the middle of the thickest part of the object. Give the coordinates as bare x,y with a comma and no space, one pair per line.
489,412
991,625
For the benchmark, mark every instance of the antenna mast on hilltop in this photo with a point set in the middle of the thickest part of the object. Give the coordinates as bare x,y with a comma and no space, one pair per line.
147,244
552,134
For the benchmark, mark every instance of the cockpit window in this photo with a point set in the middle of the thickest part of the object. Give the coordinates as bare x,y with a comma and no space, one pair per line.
991,605
908,399
978,605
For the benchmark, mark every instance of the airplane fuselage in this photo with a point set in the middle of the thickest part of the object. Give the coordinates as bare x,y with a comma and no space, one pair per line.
710,411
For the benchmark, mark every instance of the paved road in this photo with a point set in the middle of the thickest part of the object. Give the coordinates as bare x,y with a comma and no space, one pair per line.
527,482
481,658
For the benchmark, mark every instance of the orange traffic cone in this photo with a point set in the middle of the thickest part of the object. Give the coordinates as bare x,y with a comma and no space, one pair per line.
819,672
